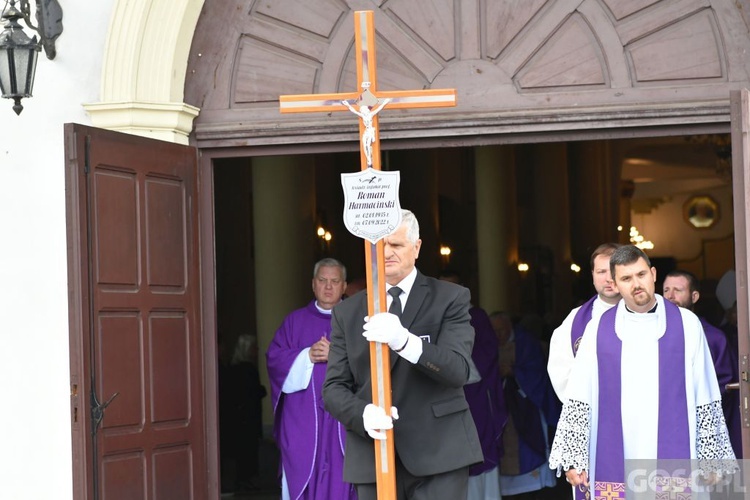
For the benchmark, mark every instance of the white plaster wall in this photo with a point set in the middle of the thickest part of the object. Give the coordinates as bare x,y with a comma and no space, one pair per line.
35,436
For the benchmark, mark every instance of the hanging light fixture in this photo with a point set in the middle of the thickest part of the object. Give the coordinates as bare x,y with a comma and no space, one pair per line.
18,52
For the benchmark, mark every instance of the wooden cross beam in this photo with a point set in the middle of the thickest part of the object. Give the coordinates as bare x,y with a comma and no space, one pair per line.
366,104
369,96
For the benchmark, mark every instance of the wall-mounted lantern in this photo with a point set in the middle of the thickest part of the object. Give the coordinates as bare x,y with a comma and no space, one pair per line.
18,52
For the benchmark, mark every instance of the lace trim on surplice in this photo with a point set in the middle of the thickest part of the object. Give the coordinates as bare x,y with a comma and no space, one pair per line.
713,447
571,446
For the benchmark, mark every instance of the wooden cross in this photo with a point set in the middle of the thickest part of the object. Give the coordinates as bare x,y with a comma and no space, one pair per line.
366,104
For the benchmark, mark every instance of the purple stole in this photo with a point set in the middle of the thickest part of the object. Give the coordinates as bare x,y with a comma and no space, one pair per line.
581,319
674,436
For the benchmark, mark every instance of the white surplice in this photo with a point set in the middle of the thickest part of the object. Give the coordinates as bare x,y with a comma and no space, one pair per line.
576,437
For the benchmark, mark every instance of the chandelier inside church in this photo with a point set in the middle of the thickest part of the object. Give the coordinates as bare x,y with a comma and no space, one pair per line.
637,239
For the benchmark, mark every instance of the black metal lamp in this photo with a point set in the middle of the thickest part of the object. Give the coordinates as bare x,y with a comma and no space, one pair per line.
18,55
18,52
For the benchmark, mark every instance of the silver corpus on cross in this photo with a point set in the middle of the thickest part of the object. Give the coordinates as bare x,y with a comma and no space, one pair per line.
369,106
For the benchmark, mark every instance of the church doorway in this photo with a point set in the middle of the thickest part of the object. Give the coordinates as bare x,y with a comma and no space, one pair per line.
560,200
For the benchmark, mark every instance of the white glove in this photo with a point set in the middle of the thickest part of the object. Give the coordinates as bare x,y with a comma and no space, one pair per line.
387,329
376,421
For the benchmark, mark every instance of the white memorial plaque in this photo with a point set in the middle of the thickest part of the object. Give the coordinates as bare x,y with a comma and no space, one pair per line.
371,207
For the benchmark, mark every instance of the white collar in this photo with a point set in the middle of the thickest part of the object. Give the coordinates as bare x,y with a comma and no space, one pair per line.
321,310
658,318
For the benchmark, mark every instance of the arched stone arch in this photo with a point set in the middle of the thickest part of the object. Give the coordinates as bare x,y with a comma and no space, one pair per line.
144,68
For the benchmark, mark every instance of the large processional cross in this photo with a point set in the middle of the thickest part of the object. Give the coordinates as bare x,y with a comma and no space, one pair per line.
366,104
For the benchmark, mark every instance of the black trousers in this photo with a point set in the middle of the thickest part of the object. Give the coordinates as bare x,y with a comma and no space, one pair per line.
451,485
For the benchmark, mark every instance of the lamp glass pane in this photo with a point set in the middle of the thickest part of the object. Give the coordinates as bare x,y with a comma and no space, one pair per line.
4,73
24,60
31,71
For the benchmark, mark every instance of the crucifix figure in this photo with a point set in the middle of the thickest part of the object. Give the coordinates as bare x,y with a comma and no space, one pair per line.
371,102
367,114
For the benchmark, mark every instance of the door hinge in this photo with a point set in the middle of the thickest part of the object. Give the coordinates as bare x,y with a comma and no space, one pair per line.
87,156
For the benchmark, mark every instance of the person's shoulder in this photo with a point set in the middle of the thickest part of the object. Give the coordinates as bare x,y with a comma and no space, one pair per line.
693,329
479,314
573,312
441,286
688,316
302,311
351,304
567,323
715,337
303,315
707,324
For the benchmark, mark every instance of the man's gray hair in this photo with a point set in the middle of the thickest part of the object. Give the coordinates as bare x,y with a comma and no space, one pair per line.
409,220
626,254
329,262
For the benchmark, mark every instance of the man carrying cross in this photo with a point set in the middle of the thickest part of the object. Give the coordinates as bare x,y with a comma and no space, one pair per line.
444,314
428,330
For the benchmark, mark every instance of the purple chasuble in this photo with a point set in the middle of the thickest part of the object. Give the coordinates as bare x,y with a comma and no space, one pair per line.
485,398
717,344
581,319
311,441
528,391
673,432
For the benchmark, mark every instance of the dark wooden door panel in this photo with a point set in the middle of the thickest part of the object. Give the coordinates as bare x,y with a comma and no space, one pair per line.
119,369
136,238
115,207
166,235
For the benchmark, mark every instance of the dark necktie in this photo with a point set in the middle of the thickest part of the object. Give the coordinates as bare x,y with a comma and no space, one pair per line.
396,304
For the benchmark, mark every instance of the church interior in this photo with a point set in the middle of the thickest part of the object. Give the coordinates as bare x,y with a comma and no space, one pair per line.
537,209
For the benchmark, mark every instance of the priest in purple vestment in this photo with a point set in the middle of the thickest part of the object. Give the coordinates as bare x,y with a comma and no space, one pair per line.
642,387
485,397
532,408
567,337
486,402
311,441
683,289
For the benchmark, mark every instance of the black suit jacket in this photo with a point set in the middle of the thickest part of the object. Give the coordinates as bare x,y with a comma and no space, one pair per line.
435,432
